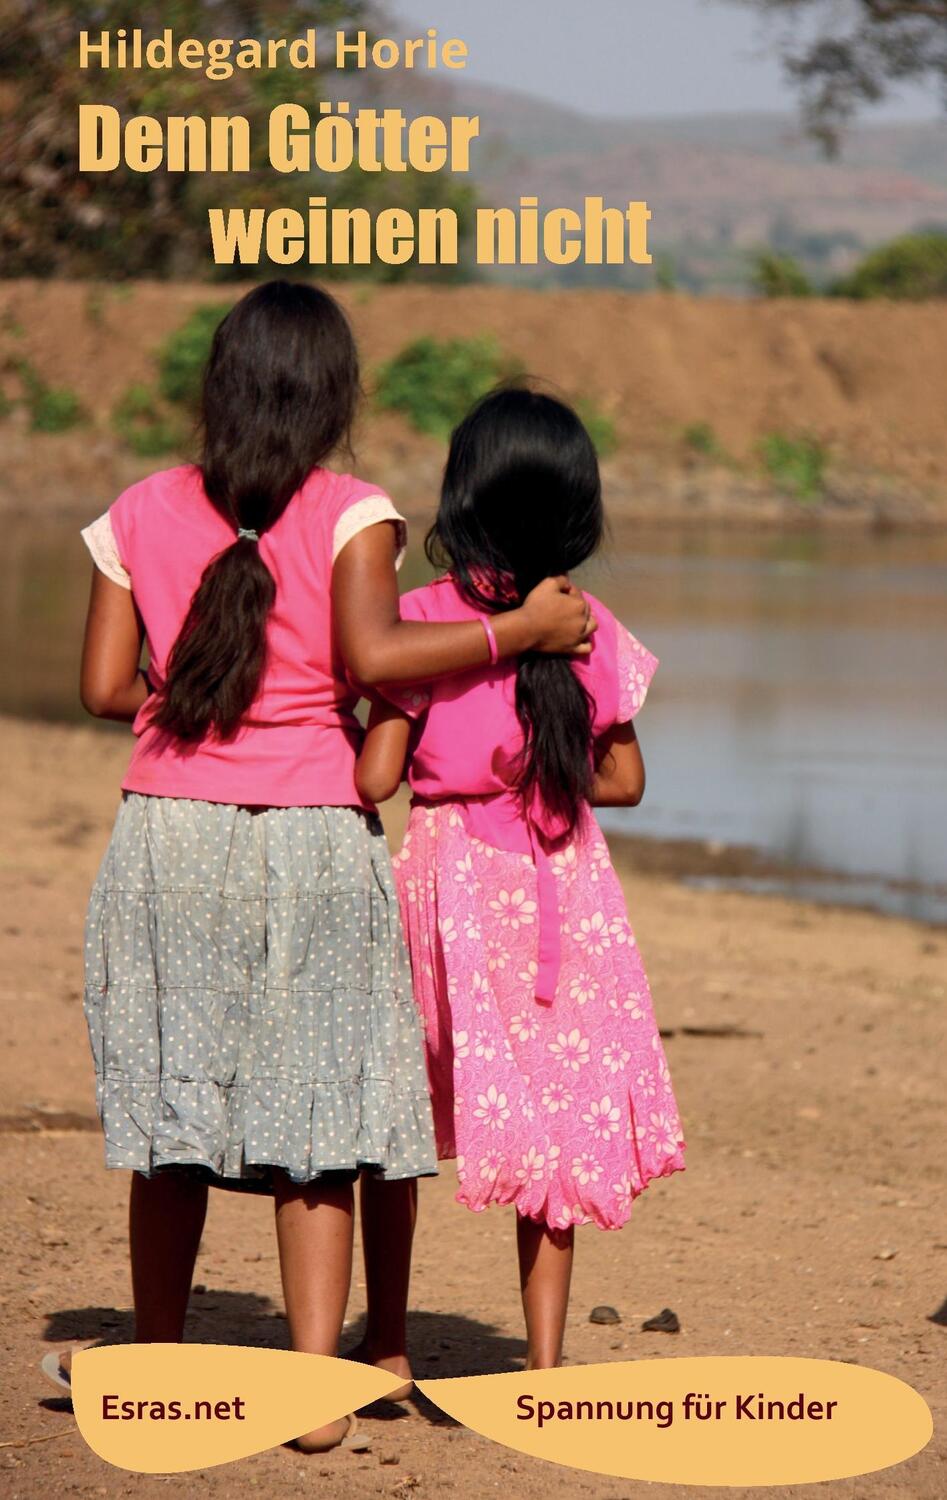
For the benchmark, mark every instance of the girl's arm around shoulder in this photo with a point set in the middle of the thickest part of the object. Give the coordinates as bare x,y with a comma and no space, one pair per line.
112,685
619,769
377,646
380,765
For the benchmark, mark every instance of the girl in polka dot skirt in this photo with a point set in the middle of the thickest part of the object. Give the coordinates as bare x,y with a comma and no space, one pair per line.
548,1078
248,995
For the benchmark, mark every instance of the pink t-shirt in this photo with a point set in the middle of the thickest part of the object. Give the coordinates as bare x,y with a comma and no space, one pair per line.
298,745
470,734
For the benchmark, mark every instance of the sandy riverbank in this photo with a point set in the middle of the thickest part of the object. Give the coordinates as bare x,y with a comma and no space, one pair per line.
806,1223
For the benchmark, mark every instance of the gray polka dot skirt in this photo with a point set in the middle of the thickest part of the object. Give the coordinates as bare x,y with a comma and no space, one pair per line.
248,996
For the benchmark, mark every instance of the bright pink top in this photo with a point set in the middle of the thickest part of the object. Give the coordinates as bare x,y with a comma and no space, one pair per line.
298,745
465,746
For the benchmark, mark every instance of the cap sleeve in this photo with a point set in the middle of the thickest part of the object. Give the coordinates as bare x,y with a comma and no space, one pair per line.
636,667
100,539
367,511
412,698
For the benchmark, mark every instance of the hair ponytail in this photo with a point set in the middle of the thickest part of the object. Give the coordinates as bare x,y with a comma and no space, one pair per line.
279,394
217,661
521,501
556,717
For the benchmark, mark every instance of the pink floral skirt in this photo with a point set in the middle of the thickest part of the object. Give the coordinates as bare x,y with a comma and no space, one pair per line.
565,1110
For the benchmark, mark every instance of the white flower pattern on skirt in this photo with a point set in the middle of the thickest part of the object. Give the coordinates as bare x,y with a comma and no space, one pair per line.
565,1110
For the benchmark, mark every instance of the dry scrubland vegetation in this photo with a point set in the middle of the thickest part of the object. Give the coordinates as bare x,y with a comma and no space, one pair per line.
783,409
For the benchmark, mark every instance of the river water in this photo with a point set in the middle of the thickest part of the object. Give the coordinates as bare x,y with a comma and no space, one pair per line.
800,707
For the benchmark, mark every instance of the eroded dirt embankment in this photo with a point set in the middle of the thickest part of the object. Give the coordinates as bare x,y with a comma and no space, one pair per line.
867,380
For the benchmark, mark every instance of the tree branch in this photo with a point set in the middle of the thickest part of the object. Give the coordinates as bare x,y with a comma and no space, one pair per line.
897,10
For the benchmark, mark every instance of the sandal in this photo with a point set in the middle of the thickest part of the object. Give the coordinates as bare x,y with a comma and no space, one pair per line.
53,1368
355,1441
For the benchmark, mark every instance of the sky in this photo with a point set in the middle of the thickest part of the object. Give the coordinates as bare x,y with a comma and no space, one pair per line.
629,57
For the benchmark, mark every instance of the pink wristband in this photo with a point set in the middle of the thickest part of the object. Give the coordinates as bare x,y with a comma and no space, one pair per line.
491,639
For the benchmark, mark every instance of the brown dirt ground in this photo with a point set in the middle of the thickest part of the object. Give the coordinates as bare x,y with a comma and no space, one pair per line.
867,379
805,1224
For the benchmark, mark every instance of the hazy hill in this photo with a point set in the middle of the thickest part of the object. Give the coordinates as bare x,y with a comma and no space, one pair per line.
544,129
718,185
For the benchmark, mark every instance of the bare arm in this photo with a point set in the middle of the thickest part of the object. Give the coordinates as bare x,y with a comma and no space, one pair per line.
112,685
380,764
619,776
377,646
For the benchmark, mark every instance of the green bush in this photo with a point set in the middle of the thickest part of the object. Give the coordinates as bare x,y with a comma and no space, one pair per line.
55,409
796,465
52,408
184,354
779,275
701,438
665,273
143,425
600,428
911,268
435,382
95,302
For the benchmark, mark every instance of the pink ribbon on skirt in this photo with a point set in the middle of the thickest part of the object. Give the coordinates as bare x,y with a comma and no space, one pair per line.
504,821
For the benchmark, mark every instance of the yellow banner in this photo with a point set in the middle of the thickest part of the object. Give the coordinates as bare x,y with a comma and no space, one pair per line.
722,1421
167,1408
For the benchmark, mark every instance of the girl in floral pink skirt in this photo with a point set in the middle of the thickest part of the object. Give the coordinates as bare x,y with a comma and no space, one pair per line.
548,1078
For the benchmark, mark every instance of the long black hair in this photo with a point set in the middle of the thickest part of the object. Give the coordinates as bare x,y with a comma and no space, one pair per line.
522,500
280,393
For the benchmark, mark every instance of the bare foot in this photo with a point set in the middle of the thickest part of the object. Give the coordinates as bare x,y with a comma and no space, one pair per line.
341,1434
392,1364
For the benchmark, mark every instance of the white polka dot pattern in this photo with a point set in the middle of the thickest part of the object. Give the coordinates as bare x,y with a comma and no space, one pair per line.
248,995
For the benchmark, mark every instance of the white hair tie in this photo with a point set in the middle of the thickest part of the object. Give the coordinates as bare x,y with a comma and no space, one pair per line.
251,536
